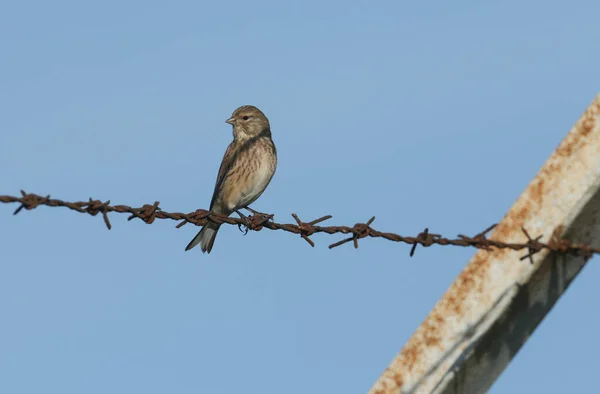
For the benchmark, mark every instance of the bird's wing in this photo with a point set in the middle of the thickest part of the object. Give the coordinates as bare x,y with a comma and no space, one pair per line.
226,163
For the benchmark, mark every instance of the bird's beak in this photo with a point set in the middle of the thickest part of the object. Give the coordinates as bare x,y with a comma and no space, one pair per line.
231,121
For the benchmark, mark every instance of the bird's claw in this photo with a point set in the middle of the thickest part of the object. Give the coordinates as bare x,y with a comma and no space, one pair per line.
246,225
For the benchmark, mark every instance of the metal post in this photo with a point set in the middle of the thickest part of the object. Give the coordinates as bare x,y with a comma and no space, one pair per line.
496,303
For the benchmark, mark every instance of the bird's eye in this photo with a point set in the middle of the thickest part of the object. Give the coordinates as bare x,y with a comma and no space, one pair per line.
246,117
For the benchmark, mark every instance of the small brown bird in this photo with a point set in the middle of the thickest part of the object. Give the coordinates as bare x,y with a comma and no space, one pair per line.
246,170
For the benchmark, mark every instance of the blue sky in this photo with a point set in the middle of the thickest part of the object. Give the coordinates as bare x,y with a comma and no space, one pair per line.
433,115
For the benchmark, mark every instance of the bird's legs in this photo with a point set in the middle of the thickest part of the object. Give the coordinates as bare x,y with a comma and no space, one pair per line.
263,216
245,218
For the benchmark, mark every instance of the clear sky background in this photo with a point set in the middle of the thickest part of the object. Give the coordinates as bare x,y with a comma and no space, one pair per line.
434,115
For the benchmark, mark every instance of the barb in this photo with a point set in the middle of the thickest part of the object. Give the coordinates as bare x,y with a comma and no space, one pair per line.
257,221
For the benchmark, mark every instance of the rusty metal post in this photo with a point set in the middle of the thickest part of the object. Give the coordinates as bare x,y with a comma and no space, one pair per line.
496,303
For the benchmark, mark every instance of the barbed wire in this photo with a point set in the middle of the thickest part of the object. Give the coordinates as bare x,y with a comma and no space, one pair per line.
257,221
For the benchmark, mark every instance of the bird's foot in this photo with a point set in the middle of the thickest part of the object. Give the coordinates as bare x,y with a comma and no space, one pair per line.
246,219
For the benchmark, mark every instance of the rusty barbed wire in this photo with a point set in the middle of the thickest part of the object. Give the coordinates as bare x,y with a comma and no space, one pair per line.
257,221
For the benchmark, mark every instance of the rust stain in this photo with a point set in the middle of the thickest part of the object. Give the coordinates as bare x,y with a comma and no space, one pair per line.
589,121
411,353
398,380
431,335
428,336
448,303
588,125
538,191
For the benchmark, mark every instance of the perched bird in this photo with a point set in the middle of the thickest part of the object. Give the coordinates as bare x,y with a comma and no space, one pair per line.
247,168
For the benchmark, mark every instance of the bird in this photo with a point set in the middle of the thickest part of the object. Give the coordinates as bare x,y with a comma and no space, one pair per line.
246,170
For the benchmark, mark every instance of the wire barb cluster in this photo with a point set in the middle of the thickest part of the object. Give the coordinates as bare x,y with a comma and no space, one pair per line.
257,221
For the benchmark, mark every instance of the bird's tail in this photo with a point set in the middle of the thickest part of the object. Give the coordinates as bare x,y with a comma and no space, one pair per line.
206,237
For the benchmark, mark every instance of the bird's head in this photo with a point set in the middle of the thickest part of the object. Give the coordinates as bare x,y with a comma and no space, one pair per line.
248,121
